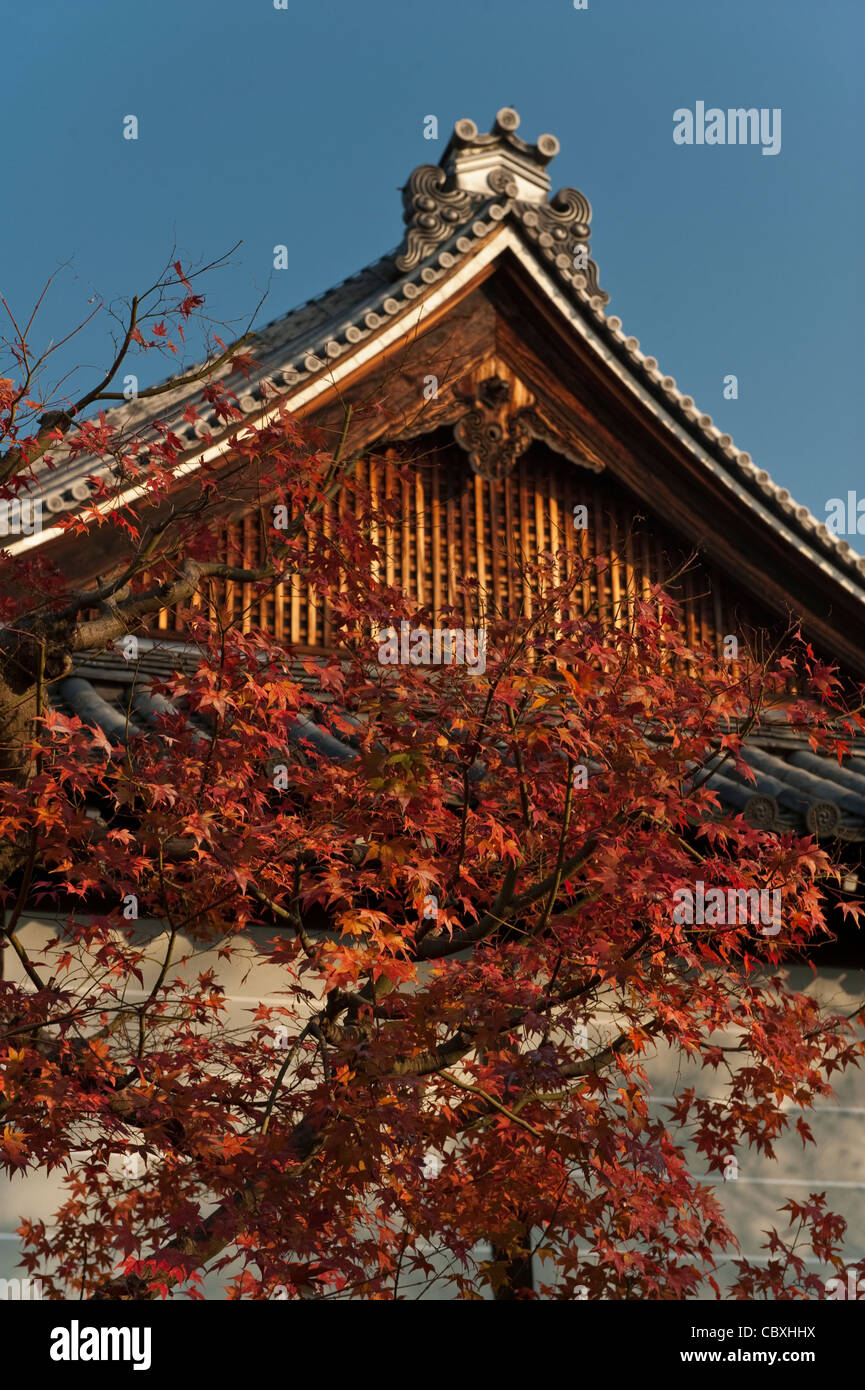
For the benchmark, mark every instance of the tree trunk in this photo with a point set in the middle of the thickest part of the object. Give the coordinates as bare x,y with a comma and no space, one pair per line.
517,1281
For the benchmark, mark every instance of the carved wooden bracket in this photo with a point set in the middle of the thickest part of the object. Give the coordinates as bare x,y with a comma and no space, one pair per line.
495,417
492,432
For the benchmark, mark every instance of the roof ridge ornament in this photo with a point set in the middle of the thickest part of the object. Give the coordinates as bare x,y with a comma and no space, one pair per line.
469,157
440,199
433,211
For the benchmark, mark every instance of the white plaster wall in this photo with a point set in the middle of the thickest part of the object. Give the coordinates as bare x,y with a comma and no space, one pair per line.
836,1164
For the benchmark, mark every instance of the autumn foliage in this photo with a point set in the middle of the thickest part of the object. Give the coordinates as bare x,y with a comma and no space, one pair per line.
469,898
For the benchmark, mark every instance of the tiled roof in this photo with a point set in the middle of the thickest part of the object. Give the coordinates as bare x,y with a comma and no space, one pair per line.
484,183
285,352
796,790
116,695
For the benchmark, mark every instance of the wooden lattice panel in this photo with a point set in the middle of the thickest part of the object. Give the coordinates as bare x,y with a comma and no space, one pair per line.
457,525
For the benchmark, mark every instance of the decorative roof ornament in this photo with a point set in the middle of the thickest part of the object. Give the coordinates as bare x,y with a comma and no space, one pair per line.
501,169
471,158
495,418
494,435
496,421
434,211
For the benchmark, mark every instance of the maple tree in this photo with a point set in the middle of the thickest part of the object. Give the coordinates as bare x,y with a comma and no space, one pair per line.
468,893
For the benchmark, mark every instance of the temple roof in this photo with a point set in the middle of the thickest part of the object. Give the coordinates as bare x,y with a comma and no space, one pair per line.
489,193
795,790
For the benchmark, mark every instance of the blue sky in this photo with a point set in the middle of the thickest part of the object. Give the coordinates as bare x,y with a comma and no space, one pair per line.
299,126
